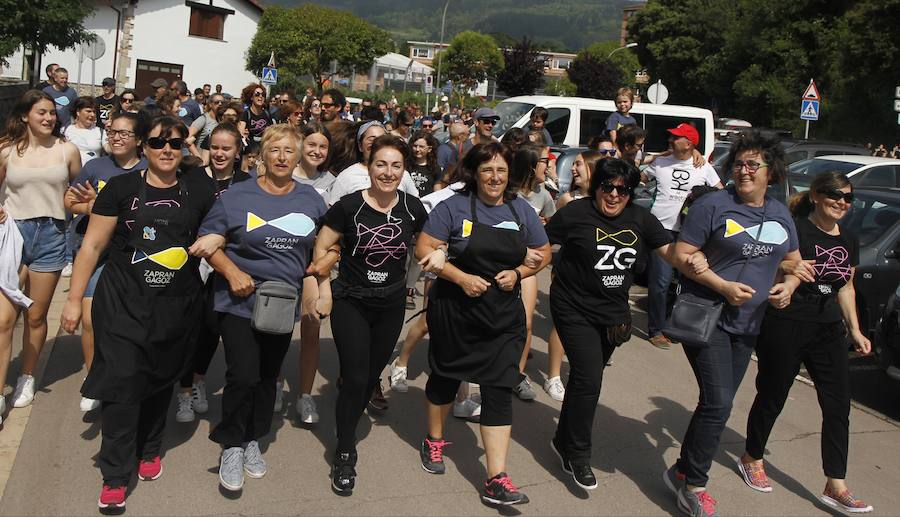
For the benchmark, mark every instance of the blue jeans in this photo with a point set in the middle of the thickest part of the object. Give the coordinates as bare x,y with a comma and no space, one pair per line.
719,368
659,276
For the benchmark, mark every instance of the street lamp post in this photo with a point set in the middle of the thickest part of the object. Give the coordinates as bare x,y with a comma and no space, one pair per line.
440,46
630,45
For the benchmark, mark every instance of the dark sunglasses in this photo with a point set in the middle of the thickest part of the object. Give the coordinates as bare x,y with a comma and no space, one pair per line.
621,190
329,104
427,126
837,195
126,99
610,152
259,94
156,142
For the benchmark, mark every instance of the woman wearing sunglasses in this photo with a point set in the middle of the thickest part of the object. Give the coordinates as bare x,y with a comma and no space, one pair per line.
202,126
256,117
127,102
312,110
146,304
812,330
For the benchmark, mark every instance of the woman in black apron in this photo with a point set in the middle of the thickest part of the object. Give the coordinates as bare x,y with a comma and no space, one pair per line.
146,305
475,314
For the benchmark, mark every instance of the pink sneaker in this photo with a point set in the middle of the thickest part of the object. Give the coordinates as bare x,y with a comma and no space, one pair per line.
755,476
150,470
844,501
112,497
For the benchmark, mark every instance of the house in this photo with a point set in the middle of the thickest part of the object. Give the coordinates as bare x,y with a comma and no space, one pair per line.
198,42
555,63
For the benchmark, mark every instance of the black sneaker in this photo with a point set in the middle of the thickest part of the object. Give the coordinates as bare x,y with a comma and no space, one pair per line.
563,461
377,401
432,454
584,476
499,490
343,473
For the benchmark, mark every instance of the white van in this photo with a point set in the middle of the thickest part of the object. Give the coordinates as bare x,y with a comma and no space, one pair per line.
572,121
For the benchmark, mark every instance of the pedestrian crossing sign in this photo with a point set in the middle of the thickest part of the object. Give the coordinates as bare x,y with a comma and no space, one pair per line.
270,75
809,110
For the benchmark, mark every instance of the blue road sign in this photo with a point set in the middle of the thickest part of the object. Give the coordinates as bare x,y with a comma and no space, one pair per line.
809,110
270,75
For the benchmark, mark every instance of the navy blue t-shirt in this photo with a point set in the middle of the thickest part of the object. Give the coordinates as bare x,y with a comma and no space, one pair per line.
616,120
189,112
723,227
269,237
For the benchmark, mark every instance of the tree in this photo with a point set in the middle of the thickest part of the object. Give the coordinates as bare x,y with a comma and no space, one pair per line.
595,78
523,69
307,39
38,25
470,59
626,60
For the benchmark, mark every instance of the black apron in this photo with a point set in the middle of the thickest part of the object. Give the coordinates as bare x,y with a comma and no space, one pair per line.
480,339
147,305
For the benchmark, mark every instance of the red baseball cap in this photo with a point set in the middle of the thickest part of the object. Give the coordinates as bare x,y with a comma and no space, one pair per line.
688,131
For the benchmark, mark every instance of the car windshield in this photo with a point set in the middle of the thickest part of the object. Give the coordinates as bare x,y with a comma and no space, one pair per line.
510,113
816,166
870,217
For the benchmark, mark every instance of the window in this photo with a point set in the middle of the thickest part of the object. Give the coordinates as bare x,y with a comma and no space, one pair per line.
593,123
561,63
207,21
558,124
421,52
883,176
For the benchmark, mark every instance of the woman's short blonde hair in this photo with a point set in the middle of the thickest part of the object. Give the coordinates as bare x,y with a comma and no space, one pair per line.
274,134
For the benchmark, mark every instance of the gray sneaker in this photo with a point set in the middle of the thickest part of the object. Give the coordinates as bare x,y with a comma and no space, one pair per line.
254,464
306,407
524,390
185,411
696,504
674,479
231,469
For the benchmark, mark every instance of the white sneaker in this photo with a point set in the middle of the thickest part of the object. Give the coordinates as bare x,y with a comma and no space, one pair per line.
468,409
67,271
24,394
2,407
554,387
185,412
306,407
279,397
398,378
87,404
198,397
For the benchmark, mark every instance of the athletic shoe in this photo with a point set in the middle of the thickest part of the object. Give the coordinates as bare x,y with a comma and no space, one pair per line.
696,504
583,475
87,404
468,409
844,501
410,298
254,464
24,393
660,341
563,460
2,407
343,473
432,454
673,478
279,397
185,411
501,491
554,387
149,470
524,390
398,378
306,408
755,476
198,397
377,401
112,497
231,469
67,271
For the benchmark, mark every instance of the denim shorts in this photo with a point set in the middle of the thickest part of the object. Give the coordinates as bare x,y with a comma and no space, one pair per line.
92,282
44,250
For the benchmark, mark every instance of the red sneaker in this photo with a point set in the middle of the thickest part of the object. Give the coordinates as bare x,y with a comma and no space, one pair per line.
112,497
150,470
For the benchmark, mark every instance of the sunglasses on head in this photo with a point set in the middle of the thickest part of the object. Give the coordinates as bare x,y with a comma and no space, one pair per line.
158,142
621,190
837,195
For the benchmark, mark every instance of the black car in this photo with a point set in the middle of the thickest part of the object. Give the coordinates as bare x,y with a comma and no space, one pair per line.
887,336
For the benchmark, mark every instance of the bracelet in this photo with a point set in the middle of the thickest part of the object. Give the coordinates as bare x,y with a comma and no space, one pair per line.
518,275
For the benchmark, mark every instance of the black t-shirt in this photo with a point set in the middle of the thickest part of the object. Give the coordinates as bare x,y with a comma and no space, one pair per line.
374,245
835,256
236,177
424,178
105,108
599,257
256,124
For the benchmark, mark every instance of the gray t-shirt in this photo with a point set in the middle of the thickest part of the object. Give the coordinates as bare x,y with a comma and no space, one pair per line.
541,201
204,125
724,228
321,182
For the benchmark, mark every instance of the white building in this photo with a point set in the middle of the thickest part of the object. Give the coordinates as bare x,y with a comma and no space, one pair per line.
173,39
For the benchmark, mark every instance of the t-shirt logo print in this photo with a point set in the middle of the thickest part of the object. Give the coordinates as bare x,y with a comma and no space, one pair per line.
380,246
299,225
772,231
831,263
615,258
173,258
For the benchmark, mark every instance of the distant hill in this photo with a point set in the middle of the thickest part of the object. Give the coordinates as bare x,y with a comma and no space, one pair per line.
564,25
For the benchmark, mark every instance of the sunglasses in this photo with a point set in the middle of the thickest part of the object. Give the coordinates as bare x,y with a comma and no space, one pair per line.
126,99
621,190
329,104
427,126
837,195
157,142
609,152
489,121
259,94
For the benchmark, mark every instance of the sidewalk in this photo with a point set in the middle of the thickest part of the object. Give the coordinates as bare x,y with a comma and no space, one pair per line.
647,400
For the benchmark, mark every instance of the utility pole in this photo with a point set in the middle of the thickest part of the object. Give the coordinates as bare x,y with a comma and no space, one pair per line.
440,46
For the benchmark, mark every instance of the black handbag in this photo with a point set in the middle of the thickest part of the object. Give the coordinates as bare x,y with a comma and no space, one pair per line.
694,318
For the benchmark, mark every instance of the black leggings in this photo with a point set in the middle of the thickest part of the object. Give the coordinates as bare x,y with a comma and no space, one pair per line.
131,431
496,402
207,339
365,333
783,344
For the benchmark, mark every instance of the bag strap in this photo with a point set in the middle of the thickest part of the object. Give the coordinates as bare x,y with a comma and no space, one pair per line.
755,239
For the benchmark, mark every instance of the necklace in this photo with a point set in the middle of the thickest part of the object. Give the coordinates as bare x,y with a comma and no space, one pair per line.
833,231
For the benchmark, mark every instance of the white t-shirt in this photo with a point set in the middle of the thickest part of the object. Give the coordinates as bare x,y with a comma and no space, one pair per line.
356,177
432,200
88,141
674,180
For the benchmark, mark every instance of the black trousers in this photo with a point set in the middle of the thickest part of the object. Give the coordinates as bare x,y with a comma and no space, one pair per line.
365,333
496,402
131,431
783,345
207,340
588,351
253,360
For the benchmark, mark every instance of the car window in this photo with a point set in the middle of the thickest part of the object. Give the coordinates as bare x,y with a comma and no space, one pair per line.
816,166
657,130
794,156
593,123
882,176
510,113
870,218
558,124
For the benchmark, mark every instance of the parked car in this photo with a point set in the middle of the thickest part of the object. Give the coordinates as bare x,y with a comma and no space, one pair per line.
797,150
863,171
718,157
887,336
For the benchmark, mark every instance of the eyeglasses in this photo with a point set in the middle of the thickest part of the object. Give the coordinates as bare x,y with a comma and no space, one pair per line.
217,102
545,160
621,190
156,142
126,99
121,133
329,104
420,147
297,113
837,195
259,94
608,152
751,166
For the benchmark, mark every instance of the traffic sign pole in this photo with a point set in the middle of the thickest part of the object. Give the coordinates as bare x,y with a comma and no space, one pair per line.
809,106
